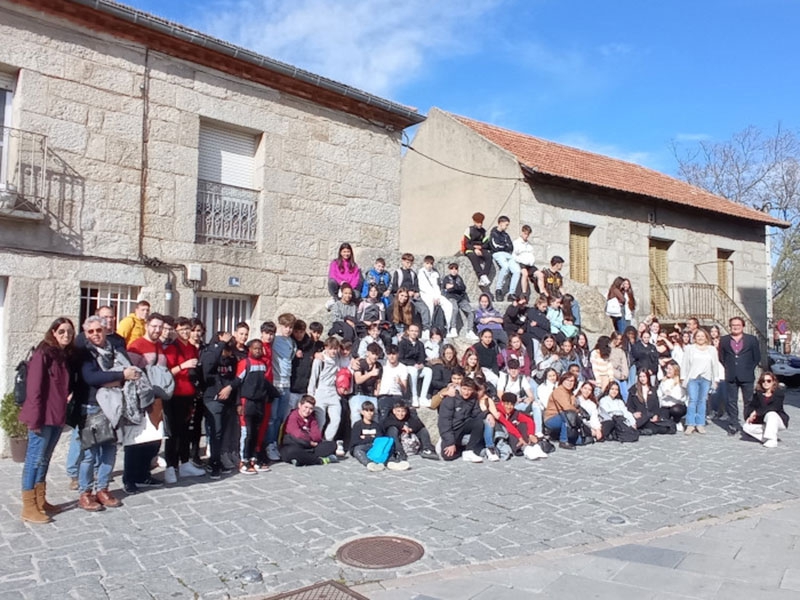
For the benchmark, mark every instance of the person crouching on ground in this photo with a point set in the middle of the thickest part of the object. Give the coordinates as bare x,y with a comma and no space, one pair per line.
764,416
302,443
459,415
408,432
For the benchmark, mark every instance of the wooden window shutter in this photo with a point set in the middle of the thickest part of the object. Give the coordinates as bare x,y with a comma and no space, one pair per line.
659,276
579,252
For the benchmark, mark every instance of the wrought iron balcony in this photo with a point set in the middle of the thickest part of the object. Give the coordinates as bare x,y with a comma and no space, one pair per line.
23,159
226,215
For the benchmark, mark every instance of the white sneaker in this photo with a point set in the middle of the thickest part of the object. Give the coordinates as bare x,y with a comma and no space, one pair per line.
679,426
340,448
424,403
272,452
375,467
770,444
534,452
470,456
483,281
398,465
329,304
471,335
170,475
426,335
492,455
160,462
453,333
187,469
415,403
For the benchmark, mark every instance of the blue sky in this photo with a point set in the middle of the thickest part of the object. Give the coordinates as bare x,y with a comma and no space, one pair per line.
623,78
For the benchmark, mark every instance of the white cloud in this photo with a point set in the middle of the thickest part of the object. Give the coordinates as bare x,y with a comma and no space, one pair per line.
582,141
692,137
375,45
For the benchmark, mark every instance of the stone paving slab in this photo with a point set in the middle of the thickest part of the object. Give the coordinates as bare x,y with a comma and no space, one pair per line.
193,539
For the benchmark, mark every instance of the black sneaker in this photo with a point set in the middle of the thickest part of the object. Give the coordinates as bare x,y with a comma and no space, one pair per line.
498,296
733,429
130,489
566,446
215,473
151,482
430,454
226,470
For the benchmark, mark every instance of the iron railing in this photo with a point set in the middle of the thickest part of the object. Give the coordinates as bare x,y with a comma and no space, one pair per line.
23,156
226,215
706,302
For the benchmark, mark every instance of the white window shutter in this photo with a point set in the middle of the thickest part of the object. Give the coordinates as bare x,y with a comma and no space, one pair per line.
226,156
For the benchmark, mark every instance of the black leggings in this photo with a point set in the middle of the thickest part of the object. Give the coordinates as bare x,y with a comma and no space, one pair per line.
481,264
217,416
305,457
137,462
675,413
177,412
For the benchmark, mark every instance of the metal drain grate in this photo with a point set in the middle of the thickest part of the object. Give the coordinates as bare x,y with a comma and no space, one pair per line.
382,552
326,590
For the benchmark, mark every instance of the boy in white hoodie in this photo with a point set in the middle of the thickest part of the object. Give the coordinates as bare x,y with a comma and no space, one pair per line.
430,291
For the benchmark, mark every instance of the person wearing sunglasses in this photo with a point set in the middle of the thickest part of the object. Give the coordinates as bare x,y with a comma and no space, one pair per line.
764,416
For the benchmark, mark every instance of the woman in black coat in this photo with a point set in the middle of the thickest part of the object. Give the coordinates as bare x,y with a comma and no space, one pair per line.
764,416
644,355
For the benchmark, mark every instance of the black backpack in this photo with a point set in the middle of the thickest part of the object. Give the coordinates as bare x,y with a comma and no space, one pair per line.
21,379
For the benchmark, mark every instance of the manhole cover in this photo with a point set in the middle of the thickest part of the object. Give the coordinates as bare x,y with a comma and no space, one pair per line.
383,552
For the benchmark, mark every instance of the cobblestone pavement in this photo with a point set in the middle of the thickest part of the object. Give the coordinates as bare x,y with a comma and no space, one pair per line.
194,539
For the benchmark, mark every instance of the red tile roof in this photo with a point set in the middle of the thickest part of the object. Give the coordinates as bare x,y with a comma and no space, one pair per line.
565,162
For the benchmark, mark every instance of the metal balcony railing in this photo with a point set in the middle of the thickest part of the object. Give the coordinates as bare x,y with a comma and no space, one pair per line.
23,159
226,215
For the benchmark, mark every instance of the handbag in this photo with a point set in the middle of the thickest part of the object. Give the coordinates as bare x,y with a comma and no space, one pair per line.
613,307
96,430
546,445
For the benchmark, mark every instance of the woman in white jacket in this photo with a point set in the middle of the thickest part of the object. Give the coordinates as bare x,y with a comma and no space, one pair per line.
430,292
701,373
672,395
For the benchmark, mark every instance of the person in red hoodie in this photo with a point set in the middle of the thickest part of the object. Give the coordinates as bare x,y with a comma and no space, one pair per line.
302,443
47,391
182,358
520,427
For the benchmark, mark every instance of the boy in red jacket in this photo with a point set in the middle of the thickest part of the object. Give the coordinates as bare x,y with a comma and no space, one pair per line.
255,391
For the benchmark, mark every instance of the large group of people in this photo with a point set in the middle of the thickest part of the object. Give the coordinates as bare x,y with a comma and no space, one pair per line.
528,379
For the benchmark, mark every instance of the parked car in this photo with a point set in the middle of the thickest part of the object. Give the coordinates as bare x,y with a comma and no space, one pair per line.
786,367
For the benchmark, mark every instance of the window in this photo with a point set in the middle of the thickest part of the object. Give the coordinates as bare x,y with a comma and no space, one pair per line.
222,313
6,96
724,268
122,298
226,200
659,276
579,252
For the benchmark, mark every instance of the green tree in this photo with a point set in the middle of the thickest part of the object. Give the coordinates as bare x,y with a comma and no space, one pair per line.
761,171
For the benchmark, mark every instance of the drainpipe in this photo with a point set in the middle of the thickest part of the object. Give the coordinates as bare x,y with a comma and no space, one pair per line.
145,89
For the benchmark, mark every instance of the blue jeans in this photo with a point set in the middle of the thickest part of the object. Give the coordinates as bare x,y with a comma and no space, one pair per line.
696,409
99,458
280,410
558,422
37,457
507,265
488,435
74,453
623,389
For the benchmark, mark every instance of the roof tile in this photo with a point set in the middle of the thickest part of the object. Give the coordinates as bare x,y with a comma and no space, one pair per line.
566,162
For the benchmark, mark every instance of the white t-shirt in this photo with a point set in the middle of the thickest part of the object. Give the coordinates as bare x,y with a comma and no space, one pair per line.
518,386
389,385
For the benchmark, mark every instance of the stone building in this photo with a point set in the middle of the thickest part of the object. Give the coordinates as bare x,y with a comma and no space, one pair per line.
141,159
686,252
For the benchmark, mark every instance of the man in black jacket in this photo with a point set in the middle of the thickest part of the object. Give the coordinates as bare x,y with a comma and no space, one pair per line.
460,415
739,354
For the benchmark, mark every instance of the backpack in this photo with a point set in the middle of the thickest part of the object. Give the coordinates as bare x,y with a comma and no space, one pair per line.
380,450
21,379
344,381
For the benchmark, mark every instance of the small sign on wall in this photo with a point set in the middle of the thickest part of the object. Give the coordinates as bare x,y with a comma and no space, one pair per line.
233,282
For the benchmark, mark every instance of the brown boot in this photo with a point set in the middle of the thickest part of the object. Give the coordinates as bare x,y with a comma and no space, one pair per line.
30,512
41,500
105,498
88,502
